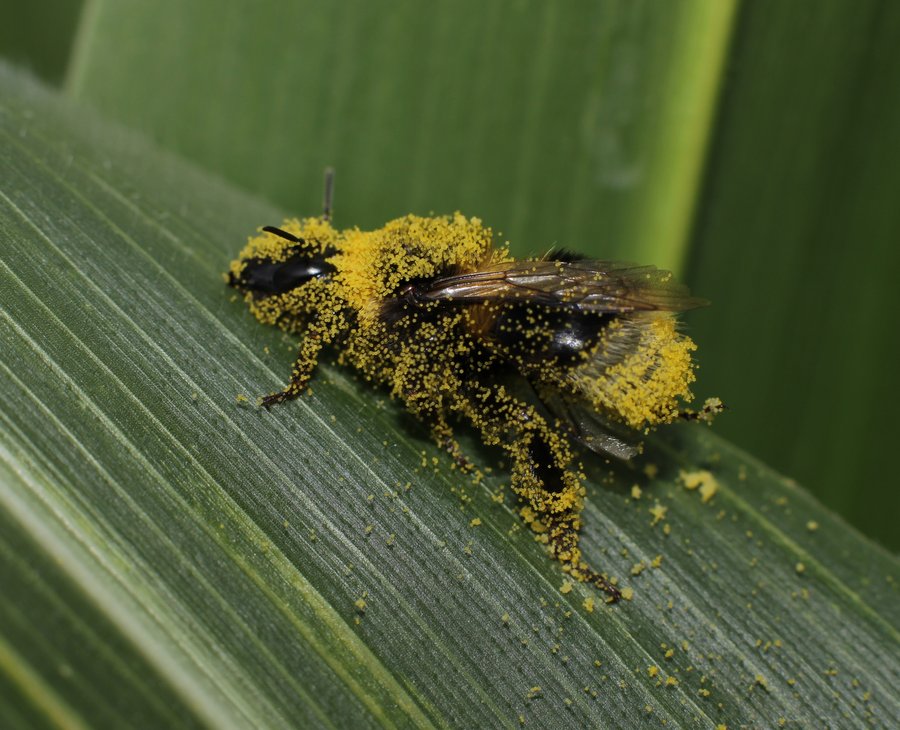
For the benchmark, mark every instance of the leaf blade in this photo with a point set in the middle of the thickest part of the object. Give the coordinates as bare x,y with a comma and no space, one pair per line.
223,523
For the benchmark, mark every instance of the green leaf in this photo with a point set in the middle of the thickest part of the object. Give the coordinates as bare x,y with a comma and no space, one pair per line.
39,34
796,245
172,556
579,123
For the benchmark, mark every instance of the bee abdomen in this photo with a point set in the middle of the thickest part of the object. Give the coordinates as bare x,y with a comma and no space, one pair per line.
533,335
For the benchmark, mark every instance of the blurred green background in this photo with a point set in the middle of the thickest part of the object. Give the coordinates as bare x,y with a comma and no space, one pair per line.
752,146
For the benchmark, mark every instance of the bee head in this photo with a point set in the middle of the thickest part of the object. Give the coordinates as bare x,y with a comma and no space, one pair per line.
279,262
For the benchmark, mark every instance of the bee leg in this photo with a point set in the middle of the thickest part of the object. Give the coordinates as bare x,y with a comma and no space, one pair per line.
542,474
557,501
442,433
307,358
563,532
422,396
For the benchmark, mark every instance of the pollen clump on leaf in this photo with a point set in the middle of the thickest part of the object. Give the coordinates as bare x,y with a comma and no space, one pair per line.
658,512
702,480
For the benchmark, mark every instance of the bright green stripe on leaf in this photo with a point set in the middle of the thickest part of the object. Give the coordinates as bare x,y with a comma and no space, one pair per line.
679,134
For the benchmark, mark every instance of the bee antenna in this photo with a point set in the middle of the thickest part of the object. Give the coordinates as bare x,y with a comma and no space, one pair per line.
283,234
328,196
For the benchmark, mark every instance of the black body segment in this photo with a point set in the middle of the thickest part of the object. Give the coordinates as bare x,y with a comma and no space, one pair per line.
264,277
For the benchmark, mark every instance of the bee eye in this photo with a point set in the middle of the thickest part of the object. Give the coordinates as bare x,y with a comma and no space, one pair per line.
267,277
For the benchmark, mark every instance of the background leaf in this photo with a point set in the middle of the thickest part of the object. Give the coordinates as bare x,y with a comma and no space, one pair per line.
498,109
796,243
199,559
39,34
589,125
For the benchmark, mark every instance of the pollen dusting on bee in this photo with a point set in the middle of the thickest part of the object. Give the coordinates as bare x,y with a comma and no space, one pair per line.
535,354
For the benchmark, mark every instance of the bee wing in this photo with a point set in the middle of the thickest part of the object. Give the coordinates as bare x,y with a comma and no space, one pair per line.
586,285
589,427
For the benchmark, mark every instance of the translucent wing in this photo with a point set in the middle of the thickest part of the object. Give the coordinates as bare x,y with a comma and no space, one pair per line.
582,423
575,294
587,286
590,428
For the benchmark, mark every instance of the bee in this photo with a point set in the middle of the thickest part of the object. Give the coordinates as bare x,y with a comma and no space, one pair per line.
536,354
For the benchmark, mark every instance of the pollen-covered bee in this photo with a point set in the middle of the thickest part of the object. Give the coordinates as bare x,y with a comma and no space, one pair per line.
534,353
